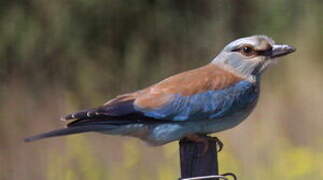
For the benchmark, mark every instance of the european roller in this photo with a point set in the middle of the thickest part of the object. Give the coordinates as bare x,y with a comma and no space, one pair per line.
209,99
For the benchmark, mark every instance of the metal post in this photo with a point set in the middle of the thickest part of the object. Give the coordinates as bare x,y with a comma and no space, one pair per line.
196,163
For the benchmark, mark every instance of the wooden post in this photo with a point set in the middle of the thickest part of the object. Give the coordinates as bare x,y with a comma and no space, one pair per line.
195,162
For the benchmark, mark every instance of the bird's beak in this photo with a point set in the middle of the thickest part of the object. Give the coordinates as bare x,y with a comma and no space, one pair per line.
281,50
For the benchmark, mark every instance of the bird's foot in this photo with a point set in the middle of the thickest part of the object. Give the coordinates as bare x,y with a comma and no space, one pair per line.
219,143
205,140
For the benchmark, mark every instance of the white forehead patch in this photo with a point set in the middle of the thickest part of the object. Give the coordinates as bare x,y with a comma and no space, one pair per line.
268,39
257,41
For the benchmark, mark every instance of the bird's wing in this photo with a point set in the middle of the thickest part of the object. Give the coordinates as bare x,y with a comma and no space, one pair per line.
197,94
188,95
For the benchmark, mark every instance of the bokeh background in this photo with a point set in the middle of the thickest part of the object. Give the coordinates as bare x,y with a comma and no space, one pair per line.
61,56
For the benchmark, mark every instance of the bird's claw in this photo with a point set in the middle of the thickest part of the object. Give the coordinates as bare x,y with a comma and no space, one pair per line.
205,140
219,143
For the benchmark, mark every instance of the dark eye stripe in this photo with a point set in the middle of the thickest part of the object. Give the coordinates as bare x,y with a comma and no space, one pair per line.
266,52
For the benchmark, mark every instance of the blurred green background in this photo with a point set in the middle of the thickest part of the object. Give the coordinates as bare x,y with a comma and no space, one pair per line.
60,56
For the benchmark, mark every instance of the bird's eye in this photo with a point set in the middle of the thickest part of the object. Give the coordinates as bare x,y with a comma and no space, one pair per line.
247,51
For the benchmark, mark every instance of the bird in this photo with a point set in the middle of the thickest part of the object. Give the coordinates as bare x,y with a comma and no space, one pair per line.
209,99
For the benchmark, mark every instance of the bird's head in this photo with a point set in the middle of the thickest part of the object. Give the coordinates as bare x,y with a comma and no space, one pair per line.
250,56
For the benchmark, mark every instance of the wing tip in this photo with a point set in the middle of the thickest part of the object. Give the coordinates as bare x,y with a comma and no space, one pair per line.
63,118
68,117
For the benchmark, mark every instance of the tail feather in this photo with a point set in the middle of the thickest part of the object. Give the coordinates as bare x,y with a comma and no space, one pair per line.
108,120
117,109
70,130
82,114
99,119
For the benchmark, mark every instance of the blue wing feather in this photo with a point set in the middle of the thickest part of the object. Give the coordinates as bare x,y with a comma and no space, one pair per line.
206,105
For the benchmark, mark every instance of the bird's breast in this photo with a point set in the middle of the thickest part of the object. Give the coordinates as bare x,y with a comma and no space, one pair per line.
243,101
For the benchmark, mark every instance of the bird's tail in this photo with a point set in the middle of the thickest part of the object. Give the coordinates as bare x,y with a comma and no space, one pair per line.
70,130
91,120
